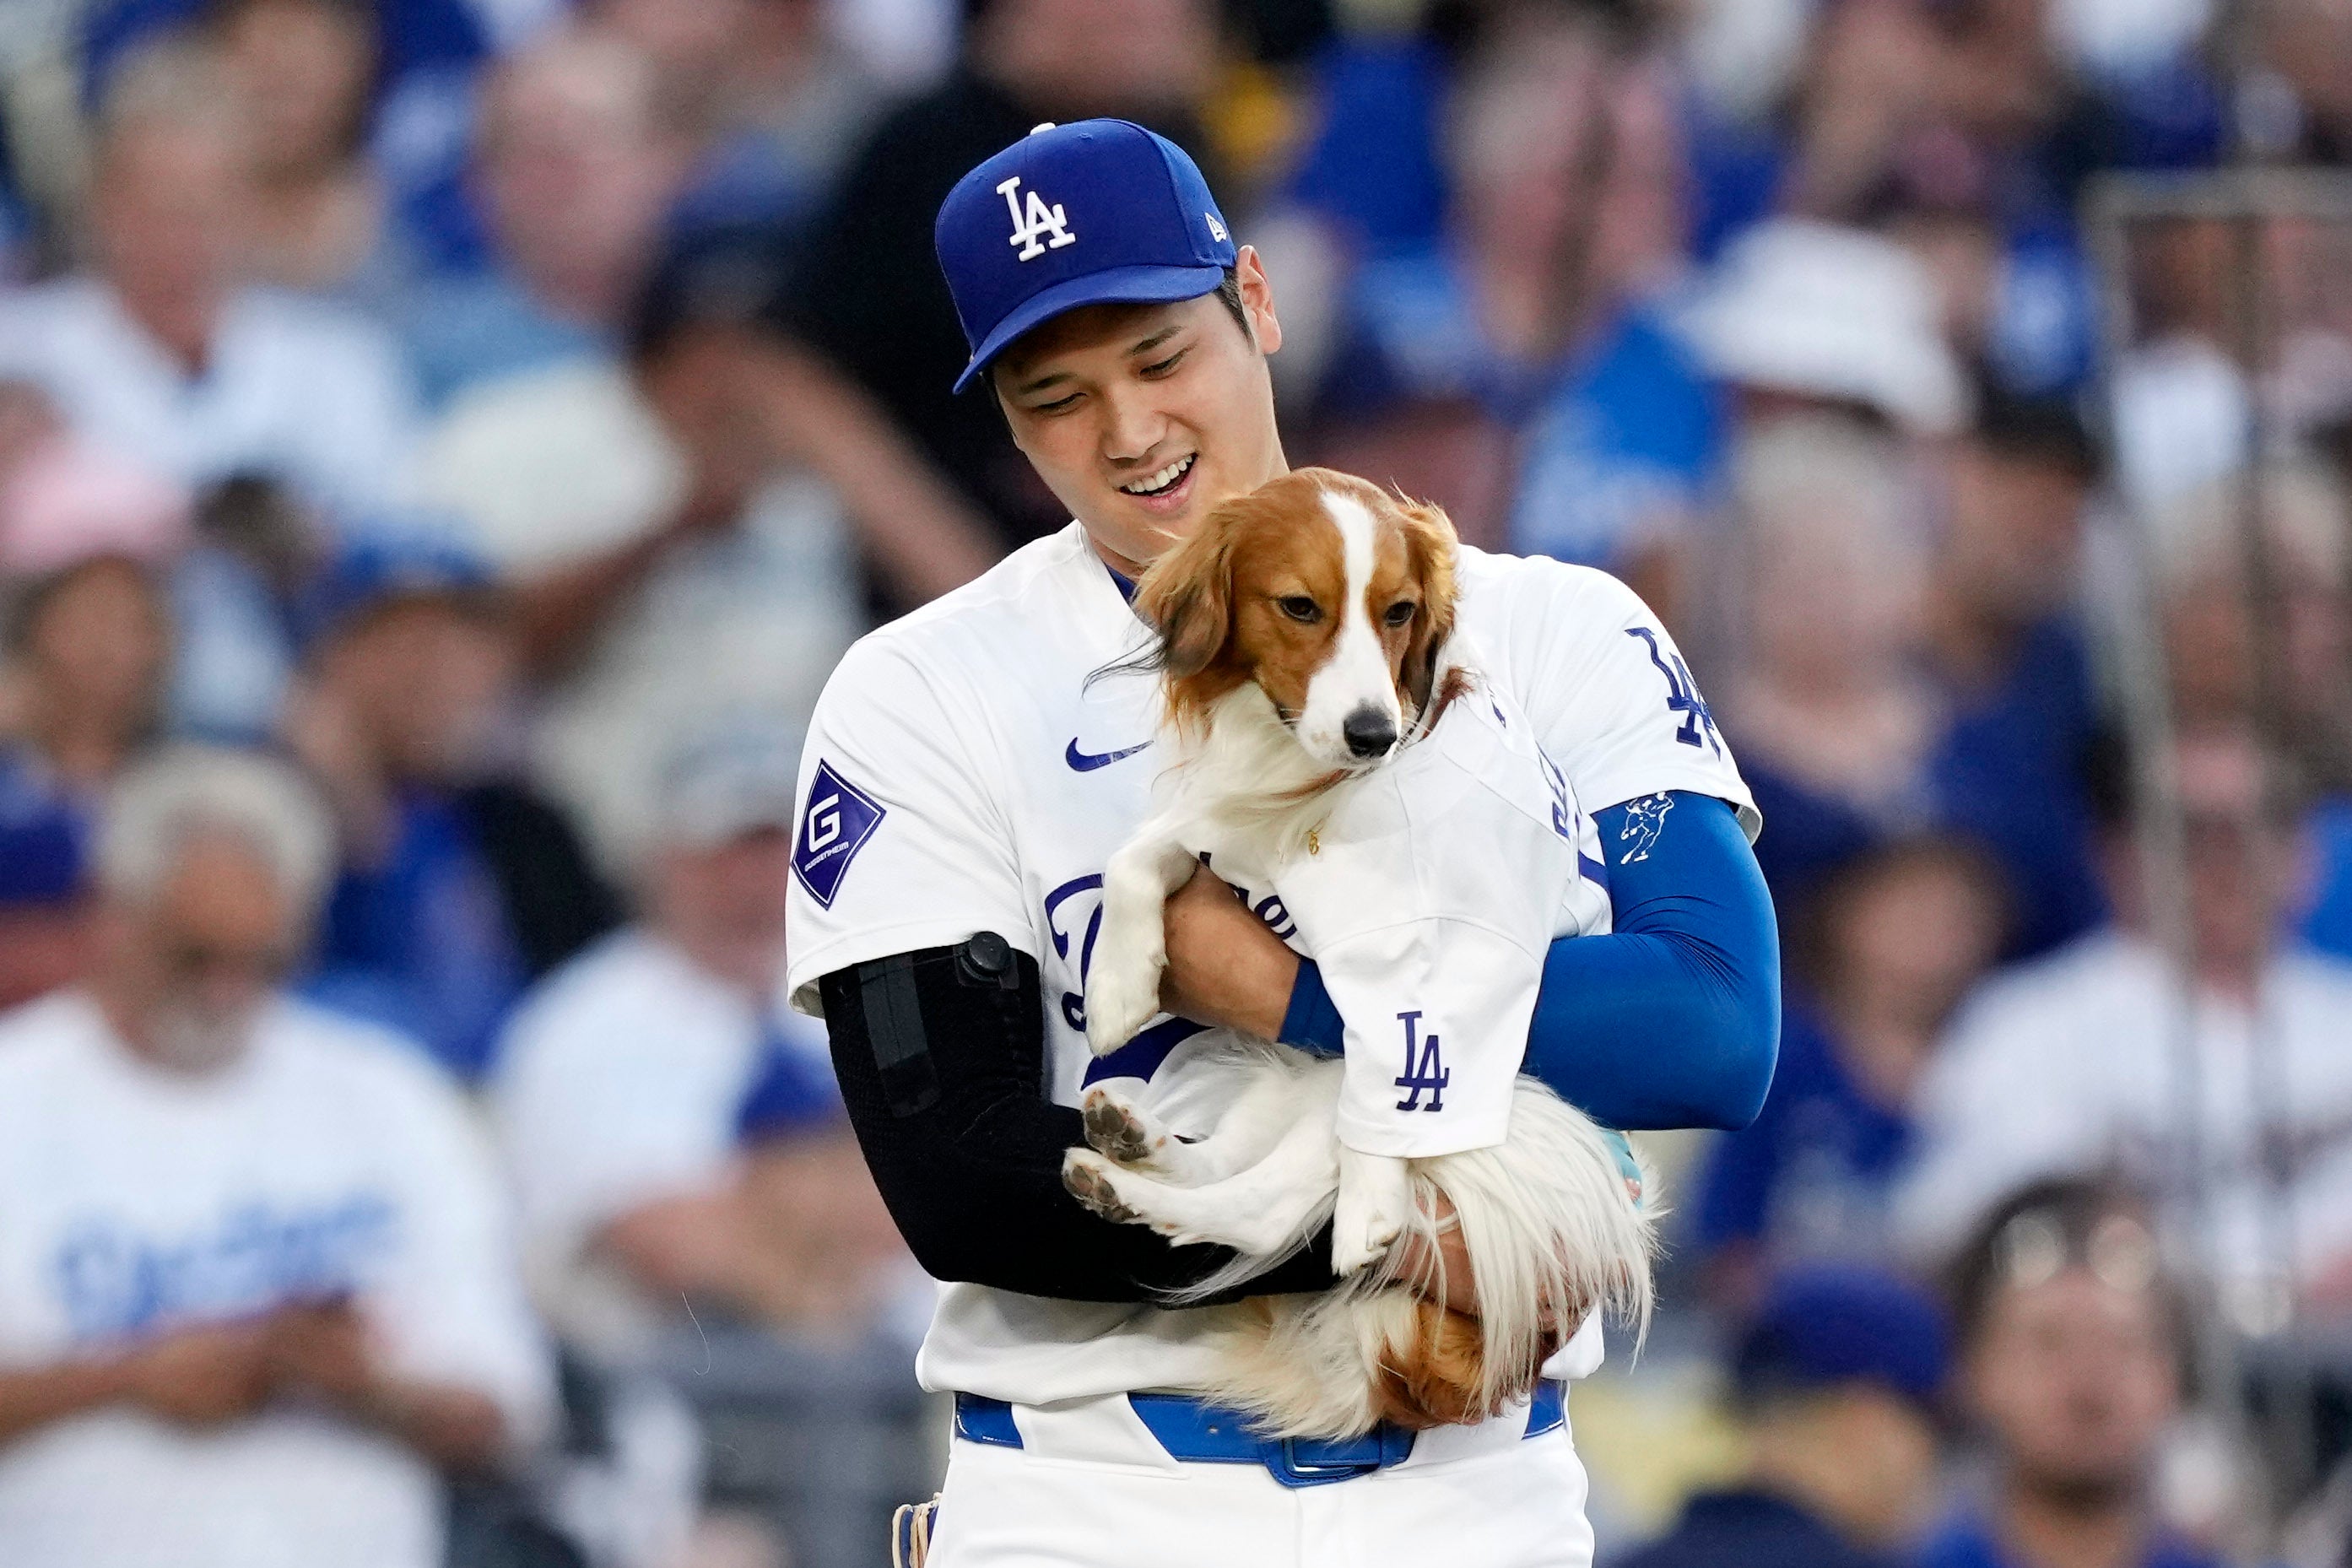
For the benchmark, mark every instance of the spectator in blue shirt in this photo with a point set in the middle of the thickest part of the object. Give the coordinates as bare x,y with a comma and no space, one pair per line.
1883,955
1837,1375
2072,1347
1590,429
2004,647
459,884
45,935
574,169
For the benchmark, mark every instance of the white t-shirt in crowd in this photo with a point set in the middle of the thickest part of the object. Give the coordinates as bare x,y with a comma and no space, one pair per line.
300,389
331,1159
963,774
618,1084
2069,1067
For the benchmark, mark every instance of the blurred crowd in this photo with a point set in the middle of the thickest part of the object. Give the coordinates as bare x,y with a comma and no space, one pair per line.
444,446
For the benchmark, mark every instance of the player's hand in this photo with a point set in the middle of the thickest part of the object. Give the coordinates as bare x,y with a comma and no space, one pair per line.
1444,1274
200,1377
1224,967
1440,1272
322,1349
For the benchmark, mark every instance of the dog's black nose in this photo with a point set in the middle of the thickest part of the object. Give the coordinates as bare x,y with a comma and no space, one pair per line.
1369,732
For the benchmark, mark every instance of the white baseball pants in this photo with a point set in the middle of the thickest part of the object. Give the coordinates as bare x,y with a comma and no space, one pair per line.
1091,1488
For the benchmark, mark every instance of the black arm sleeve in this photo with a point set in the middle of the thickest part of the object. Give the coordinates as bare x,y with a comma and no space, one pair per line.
940,1055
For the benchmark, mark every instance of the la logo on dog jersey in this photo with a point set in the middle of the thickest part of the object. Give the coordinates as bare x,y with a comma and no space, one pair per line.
839,819
1423,1067
1036,220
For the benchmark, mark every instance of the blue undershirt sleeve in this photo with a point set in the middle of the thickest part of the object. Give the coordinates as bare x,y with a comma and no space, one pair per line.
1670,1020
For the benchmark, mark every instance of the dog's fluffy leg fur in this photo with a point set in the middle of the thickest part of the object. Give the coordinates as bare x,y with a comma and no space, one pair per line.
1123,982
1263,1210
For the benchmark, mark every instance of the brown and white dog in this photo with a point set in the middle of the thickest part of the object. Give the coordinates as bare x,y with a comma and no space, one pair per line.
1306,636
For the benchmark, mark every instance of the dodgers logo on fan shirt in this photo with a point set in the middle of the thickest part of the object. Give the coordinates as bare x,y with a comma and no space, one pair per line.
115,1279
1037,220
840,817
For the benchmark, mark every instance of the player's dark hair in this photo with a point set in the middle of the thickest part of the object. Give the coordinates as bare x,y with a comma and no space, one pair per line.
1229,294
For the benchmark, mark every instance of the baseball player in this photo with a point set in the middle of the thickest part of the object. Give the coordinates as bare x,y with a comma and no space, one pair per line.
965,784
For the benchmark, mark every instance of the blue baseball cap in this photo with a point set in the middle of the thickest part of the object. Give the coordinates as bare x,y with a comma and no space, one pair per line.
1100,212
1826,1323
377,571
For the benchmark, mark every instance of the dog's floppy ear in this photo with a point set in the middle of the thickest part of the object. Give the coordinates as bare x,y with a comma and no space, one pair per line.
1188,595
1431,546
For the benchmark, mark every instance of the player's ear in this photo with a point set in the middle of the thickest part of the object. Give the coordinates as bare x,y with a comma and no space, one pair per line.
1254,292
1187,593
1431,546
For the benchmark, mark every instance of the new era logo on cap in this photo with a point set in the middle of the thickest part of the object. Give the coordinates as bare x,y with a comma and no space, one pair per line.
1096,213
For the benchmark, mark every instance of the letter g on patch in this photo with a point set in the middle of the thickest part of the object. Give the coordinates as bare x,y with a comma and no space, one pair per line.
836,823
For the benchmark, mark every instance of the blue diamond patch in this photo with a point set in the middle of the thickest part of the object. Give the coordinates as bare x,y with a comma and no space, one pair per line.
835,825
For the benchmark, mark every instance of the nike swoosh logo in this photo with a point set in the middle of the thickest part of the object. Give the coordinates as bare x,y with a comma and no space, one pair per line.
1082,763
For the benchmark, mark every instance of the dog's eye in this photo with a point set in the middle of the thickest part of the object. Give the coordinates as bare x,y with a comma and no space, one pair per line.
1300,607
1400,613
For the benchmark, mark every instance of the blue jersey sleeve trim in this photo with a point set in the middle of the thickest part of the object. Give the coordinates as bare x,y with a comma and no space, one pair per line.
1312,1022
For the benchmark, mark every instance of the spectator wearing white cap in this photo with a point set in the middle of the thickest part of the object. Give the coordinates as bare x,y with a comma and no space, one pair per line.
646,1093
1805,315
256,1288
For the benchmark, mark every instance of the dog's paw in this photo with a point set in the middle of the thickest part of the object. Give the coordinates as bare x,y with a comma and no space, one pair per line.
1121,1130
1374,1203
1362,1243
1094,1182
1122,996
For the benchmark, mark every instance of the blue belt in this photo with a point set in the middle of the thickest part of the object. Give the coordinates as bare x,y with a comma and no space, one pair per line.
1195,1430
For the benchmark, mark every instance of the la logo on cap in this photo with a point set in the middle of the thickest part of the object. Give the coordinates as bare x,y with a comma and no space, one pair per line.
1037,221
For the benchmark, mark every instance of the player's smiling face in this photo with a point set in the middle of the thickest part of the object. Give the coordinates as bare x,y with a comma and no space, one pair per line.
1141,419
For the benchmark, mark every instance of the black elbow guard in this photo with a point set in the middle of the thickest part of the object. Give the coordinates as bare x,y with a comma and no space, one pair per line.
941,1056
943,1026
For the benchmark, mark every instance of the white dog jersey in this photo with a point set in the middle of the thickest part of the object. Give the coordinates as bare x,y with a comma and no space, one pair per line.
1429,895
963,773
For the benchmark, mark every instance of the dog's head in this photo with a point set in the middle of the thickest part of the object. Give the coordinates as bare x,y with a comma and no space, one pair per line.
1330,594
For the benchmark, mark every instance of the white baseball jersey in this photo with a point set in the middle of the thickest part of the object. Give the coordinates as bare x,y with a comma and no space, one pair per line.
963,774
331,1159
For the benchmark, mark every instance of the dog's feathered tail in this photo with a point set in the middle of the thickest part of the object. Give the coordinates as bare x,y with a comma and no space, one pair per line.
1553,1235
